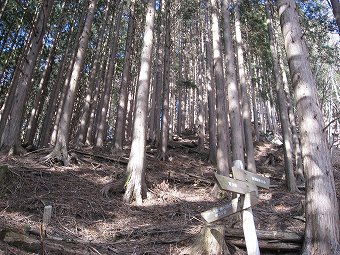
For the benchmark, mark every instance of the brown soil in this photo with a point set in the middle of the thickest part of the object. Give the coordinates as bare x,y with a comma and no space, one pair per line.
85,221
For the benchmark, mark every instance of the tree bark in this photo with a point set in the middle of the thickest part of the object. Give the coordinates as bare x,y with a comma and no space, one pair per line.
135,185
84,119
10,138
126,80
322,217
105,98
282,103
67,78
60,148
166,84
54,96
41,92
233,93
222,122
211,100
244,94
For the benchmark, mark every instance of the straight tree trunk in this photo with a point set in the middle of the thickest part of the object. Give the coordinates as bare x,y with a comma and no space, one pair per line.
322,211
91,128
104,102
244,94
255,107
158,79
211,104
233,93
10,138
84,119
126,80
282,103
47,122
180,78
166,84
135,184
42,87
300,178
69,69
60,148
222,122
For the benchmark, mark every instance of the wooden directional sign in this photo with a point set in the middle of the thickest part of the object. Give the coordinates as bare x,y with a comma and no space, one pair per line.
226,183
250,177
235,205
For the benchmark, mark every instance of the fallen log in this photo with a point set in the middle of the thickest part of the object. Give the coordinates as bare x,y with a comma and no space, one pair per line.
32,244
268,245
267,235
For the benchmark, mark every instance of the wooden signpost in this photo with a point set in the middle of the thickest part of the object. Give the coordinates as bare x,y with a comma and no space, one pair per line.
245,184
234,206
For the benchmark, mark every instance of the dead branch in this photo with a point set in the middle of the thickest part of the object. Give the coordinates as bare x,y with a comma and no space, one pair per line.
122,161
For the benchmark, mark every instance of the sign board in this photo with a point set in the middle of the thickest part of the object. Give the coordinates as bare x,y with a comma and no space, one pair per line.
241,187
256,179
236,205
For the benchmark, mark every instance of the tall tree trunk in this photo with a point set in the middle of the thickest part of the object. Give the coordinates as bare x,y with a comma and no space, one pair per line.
166,84
135,185
322,212
90,132
244,93
60,148
68,75
300,178
233,94
179,88
47,122
2,7
282,103
158,79
211,104
126,79
200,70
40,93
255,107
10,138
84,119
104,102
222,122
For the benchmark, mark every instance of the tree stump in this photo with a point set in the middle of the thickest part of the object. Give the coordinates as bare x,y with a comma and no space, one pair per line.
210,241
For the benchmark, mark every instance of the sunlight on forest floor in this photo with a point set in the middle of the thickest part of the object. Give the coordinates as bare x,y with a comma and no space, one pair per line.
168,222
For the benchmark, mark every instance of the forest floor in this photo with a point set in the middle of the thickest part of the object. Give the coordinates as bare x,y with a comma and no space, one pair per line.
86,221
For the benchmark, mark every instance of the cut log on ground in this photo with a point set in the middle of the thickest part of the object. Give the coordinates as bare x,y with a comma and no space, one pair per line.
278,247
267,235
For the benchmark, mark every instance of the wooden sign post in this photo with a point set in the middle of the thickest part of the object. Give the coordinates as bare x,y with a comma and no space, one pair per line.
245,184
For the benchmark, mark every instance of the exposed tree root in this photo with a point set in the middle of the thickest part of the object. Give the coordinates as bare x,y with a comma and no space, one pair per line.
113,187
135,189
12,150
58,155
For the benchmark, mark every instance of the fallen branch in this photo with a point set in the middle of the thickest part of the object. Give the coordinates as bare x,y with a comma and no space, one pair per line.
123,161
192,177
